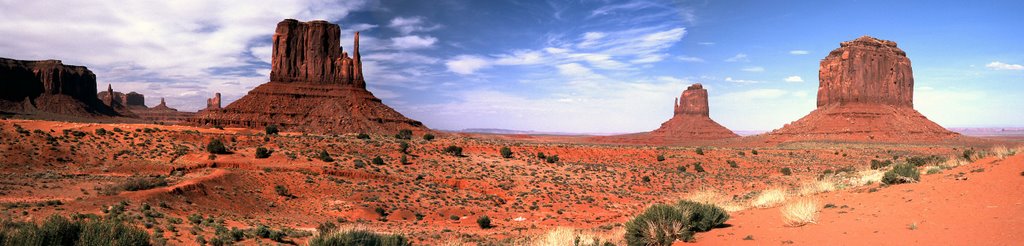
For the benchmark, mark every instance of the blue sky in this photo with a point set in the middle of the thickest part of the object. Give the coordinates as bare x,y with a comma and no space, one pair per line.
569,66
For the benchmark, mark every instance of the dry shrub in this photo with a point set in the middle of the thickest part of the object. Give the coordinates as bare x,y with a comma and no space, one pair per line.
800,212
866,177
826,184
567,236
769,198
1001,152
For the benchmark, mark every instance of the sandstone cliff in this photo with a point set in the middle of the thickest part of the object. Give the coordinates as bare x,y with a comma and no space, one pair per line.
49,86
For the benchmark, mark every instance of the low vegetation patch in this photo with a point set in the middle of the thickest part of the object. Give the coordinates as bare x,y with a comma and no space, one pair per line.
568,236
453,150
216,146
358,237
901,173
262,153
769,198
664,224
800,212
506,152
58,230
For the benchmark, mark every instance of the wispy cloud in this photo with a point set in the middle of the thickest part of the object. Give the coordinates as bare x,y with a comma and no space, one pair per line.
467,64
798,52
689,58
754,69
738,58
413,42
407,25
741,81
794,79
996,65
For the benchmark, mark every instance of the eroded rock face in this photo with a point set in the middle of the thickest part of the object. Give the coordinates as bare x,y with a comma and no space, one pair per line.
314,88
135,100
693,101
214,102
310,52
49,86
866,70
690,122
865,93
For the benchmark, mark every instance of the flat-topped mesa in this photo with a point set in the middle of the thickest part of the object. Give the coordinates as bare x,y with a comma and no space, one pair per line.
693,101
310,52
135,100
866,70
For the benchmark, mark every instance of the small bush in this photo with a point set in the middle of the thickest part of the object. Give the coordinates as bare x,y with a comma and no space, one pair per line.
453,150
358,238
968,154
363,136
216,146
324,156
272,130
506,152
658,225
58,230
101,132
144,183
661,157
551,158
262,153
800,213
786,171
703,216
428,136
403,147
697,167
732,164
377,161
540,155
769,198
484,222
404,134
700,151
282,191
404,160
901,173
876,164
753,151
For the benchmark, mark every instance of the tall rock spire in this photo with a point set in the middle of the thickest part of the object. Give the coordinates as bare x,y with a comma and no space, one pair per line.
357,64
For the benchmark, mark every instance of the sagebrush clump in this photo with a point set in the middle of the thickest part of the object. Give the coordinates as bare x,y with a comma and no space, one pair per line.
901,173
664,224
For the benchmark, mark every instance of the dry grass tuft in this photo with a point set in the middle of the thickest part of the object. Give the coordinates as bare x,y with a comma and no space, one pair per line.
799,213
826,184
1001,152
566,236
866,177
769,198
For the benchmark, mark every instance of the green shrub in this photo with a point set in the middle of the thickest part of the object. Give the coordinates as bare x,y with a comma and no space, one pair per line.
403,147
363,136
753,151
428,136
700,151
551,158
58,230
403,160
262,153
786,171
540,155
404,134
658,225
453,150
732,164
661,157
143,183
324,156
271,130
326,227
876,164
506,152
484,222
282,191
698,168
901,173
358,238
703,217
101,132
216,146
377,161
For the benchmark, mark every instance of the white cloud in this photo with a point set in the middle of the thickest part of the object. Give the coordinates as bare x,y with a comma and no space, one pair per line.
413,42
798,52
400,57
204,46
794,79
591,38
742,81
738,58
407,25
360,27
520,57
706,43
690,58
599,60
754,69
649,58
996,65
467,64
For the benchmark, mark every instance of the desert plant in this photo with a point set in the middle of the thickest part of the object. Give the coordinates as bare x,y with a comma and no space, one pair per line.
800,212
262,153
561,236
769,198
876,164
377,161
732,164
363,136
786,171
404,134
143,183
428,136
216,146
453,150
282,191
101,131
753,151
271,129
661,157
403,160
968,154
702,216
540,155
551,158
324,156
58,230
698,168
700,151
484,222
403,147
358,238
901,173
506,152
658,225
934,170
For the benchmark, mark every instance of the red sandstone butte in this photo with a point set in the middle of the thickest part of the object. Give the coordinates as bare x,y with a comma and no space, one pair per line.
865,93
691,121
314,87
49,87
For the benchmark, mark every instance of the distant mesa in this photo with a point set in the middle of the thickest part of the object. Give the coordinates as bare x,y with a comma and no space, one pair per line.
315,87
690,122
213,103
49,87
865,93
133,104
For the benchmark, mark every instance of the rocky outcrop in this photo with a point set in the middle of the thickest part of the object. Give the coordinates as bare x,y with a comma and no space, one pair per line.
117,101
163,114
214,102
310,52
690,122
49,86
135,100
314,87
865,93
